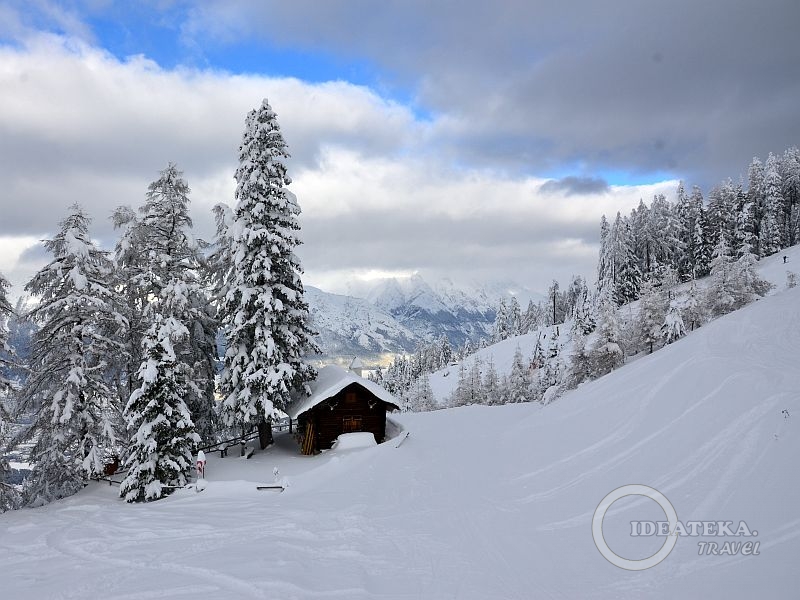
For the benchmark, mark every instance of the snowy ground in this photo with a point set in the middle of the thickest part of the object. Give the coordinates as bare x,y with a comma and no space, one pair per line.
478,502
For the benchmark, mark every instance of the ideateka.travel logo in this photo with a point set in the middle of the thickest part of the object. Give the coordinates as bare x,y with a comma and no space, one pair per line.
671,530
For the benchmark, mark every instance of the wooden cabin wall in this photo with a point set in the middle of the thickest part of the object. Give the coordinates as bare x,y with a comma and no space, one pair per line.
329,422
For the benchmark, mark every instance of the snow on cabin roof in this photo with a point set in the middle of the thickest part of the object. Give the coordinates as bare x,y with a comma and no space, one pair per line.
331,380
356,364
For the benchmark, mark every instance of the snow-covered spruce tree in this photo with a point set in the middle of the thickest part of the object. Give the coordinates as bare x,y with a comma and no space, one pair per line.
6,353
755,197
651,317
605,351
692,308
790,176
583,321
68,383
492,393
532,318
421,397
265,316
772,219
720,294
9,498
475,378
459,396
580,367
629,277
514,317
219,259
519,380
747,283
160,453
673,328
500,330
158,250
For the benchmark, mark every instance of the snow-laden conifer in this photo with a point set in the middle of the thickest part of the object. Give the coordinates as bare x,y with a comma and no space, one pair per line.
606,351
264,312
651,316
748,285
157,249
519,380
421,397
772,217
500,330
673,328
9,498
160,452
68,384
720,294
493,392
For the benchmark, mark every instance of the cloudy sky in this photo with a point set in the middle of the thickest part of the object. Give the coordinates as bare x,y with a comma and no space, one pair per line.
471,139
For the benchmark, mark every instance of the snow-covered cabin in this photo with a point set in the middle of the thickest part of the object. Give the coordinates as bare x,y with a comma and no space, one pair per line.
340,402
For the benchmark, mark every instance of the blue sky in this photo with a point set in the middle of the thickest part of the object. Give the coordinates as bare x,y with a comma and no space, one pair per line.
431,128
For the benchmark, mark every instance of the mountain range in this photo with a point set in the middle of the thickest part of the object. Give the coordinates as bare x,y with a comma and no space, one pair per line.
394,315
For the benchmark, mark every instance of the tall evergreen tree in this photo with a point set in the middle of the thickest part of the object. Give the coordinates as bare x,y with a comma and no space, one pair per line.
265,315
492,391
721,213
68,386
500,329
629,277
606,352
772,219
156,250
6,352
755,196
651,316
790,177
519,379
747,283
514,317
720,293
9,498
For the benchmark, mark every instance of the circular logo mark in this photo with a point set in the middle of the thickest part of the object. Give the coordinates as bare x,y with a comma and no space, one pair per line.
608,553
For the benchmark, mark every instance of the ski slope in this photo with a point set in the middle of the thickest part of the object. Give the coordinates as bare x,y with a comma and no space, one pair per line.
479,502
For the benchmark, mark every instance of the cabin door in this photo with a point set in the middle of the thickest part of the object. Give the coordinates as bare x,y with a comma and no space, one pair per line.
351,424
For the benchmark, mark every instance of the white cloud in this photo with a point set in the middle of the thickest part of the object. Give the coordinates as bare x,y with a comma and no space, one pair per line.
78,125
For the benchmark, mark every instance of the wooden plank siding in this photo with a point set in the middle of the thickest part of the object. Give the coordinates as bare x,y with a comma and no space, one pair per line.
353,409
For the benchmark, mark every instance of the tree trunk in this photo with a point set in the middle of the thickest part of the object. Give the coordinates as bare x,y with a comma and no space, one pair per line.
265,433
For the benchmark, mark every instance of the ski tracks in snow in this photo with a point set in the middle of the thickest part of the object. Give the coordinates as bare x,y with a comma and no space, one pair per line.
88,543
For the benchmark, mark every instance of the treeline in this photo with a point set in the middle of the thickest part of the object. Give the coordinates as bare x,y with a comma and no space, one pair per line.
760,219
652,256
123,363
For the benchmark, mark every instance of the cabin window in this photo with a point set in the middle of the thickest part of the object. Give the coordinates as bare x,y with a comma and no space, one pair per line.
351,424
350,398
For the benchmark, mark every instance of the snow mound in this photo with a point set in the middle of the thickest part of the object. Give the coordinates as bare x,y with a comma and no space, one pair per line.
352,441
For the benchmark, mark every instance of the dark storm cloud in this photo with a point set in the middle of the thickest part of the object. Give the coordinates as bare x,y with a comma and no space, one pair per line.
575,185
685,87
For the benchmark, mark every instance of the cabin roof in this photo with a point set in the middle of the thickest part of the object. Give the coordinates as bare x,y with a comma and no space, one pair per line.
356,364
331,380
